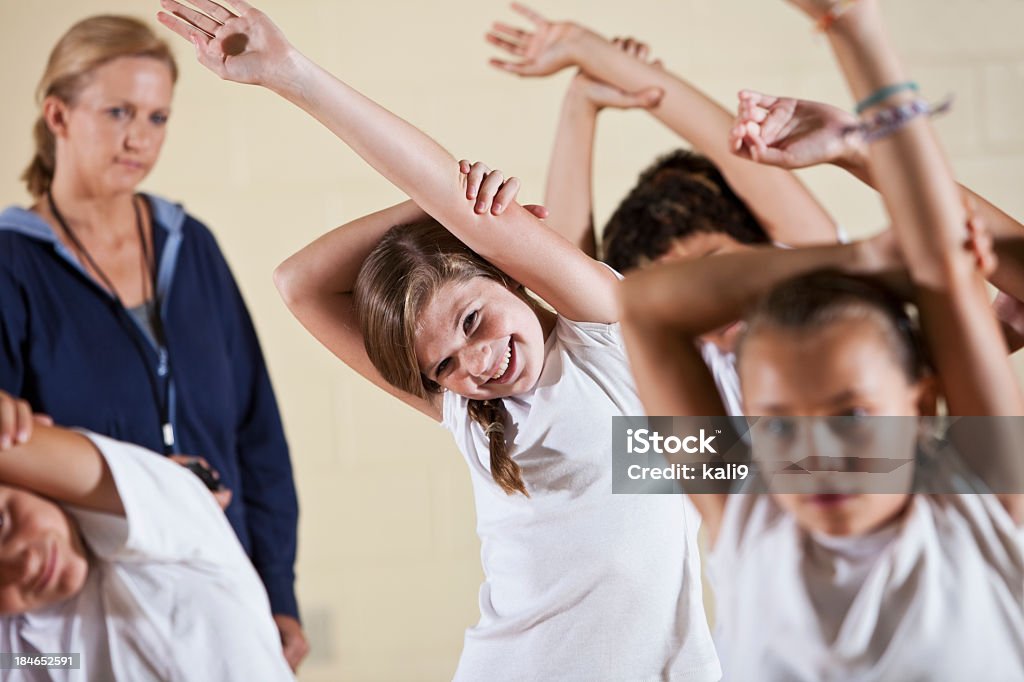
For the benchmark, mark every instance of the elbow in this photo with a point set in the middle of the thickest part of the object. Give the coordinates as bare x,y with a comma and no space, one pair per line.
286,281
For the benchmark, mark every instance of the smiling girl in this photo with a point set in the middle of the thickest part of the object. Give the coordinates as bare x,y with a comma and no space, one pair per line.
427,300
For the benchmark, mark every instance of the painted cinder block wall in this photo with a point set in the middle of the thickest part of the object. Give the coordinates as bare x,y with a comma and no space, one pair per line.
389,561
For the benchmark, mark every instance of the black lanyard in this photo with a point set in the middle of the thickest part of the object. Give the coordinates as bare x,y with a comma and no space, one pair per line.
162,400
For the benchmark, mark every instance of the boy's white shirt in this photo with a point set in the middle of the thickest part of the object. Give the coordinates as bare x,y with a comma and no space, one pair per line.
171,594
938,595
580,584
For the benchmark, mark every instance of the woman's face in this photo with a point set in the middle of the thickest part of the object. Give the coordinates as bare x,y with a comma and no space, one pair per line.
42,558
110,137
845,372
480,340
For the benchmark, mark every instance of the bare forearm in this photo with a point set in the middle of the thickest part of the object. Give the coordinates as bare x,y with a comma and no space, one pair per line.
780,201
908,166
568,195
697,296
403,154
1007,233
330,264
928,216
62,465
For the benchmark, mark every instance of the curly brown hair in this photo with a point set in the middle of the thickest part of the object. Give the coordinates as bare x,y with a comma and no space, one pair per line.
680,194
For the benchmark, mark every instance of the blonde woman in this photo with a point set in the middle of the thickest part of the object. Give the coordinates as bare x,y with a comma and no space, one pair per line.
120,314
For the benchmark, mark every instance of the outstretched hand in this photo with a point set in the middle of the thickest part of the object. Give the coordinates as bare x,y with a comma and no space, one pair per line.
541,52
793,133
245,47
491,191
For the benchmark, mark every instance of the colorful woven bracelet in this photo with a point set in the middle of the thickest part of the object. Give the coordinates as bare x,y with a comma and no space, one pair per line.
882,94
834,12
889,120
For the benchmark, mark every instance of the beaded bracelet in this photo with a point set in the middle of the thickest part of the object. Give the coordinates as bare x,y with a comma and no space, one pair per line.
882,94
834,12
889,120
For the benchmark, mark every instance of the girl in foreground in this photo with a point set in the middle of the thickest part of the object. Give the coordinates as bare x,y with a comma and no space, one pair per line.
579,584
855,586
125,558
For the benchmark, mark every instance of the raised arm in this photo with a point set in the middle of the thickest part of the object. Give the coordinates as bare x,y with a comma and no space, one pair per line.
317,283
794,133
249,48
781,203
666,308
569,194
928,217
56,463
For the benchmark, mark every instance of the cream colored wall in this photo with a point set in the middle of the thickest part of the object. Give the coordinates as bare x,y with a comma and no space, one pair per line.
389,562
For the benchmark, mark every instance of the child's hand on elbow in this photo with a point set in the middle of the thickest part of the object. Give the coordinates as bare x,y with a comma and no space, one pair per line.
491,192
794,133
600,95
17,420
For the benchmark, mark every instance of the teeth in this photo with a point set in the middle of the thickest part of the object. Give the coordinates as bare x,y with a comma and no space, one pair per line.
504,363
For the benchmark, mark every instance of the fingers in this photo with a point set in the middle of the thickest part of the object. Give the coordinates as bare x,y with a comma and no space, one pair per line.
477,172
777,118
757,98
488,190
42,419
492,192
979,242
633,47
506,43
530,14
240,6
506,194
182,27
511,32
15,421
223,497
537,210
196,19
218,12
736,139
518,68
294,645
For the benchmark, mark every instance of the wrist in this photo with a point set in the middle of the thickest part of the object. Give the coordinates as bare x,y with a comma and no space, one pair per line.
860,21
289,74
577,98
581,43
854,156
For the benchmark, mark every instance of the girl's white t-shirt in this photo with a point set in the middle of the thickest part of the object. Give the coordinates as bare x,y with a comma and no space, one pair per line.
936,596
580,584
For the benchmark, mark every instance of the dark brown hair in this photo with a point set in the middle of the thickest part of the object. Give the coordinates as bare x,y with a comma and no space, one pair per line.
818,299
396,282
681,194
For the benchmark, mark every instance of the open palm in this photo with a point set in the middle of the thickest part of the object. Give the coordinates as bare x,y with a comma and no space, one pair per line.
541,52
246,47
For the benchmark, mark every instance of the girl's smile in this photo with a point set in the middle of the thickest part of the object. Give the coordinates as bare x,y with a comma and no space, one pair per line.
480,340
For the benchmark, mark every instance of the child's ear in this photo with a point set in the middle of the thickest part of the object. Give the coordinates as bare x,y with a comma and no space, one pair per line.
928,396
